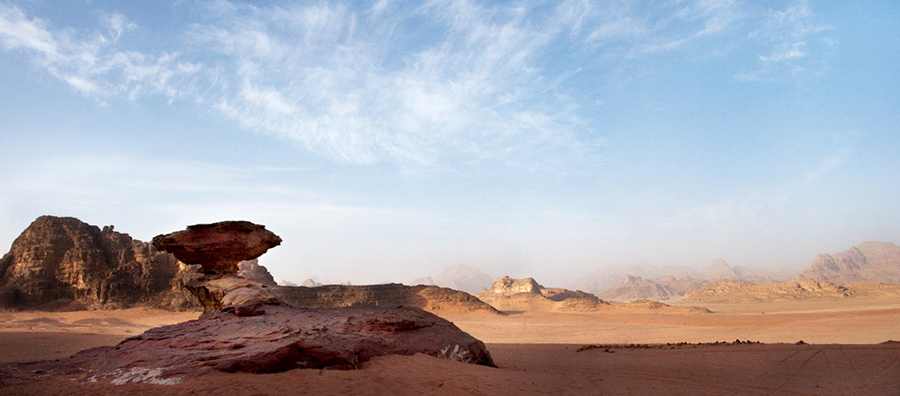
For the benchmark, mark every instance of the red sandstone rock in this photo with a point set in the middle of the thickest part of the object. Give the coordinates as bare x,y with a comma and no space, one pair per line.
266,338
218,247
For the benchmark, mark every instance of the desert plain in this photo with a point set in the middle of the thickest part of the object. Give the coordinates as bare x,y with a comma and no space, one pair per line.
849,348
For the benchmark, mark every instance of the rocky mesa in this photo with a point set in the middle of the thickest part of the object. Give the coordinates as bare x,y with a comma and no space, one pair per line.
508,294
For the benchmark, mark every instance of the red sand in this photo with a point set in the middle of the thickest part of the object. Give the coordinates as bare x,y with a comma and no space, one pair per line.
536,352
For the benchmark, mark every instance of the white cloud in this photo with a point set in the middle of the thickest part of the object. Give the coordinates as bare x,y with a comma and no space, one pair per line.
787,36
17,31
91,63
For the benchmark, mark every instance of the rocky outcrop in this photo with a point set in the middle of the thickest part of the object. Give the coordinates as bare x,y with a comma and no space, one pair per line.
872,261
429,298
62,263
510,286
218,247
508,294
271,338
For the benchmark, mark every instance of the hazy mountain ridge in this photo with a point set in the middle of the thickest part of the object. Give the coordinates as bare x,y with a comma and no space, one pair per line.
679,280
460,277
870,261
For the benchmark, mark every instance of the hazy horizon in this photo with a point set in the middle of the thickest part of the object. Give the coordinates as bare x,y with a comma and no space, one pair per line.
388,142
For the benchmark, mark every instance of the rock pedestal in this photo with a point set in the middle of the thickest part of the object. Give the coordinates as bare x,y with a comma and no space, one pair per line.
218,248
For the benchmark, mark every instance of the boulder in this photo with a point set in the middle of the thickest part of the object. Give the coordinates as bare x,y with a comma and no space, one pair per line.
218,247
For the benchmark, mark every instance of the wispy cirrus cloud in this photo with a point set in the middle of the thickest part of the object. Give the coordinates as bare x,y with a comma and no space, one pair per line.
334,81
792,39
437,83
92,63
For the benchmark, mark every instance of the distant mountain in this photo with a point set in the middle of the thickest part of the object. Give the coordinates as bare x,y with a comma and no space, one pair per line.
665,283
718,269
637,288
463,277
309,282
63,263
425,281
601,280
872,261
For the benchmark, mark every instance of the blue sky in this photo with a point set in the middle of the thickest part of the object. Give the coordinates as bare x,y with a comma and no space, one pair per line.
386,141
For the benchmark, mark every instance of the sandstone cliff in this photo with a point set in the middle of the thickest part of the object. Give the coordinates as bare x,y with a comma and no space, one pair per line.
64,263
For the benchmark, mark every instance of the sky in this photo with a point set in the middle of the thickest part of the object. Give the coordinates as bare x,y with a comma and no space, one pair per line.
386,141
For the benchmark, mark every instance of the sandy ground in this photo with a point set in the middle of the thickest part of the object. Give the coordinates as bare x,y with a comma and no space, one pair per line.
537,354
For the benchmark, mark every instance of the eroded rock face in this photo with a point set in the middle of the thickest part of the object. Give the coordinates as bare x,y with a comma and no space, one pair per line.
267,338
64,263
218,247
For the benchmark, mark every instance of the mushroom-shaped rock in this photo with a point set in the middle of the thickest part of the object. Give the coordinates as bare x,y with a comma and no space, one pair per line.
218,247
